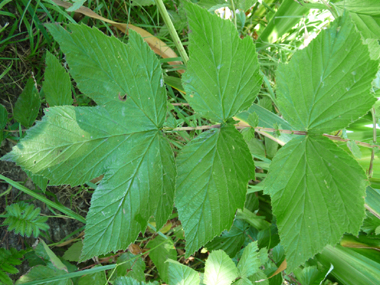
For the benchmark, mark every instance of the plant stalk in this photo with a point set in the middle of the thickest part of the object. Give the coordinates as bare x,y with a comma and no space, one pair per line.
168,22
234,13
370,169
263,131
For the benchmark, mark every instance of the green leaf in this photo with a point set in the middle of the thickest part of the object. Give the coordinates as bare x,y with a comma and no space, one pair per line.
219,269
253,120
57,84
207,197
326,86
3,117
354,148
309,275
27,105
249,263
56,262
120,138
131,265
180,274
8,260
351,266
366,7
108,71
259,278
313,197
40,272
230,241
222,76
77,4
24,219
73,253
162,250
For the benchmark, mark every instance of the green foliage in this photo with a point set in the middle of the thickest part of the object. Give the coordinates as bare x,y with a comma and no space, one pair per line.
28,105
316,189
8,260
25,219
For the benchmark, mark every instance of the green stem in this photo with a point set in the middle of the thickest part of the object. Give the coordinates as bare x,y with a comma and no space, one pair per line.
370,170
172,31
234,12
43,199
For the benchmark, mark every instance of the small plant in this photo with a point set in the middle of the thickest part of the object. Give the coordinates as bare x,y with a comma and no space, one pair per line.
25,219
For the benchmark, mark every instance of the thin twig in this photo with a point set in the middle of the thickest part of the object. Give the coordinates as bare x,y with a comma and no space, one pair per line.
265,131
180,104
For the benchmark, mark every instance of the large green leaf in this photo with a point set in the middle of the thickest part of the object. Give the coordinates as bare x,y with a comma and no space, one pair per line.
121,138
208,196
317,193
107,70
180,274
326,86
57,85
222,76
219,269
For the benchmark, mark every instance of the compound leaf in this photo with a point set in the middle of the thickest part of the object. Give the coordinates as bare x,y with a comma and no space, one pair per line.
8,260
219,269
208,196
25,219
222,76
326,86
318,192
57,84
120,138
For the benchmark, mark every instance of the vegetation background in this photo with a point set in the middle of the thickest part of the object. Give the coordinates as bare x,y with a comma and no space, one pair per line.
279,28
